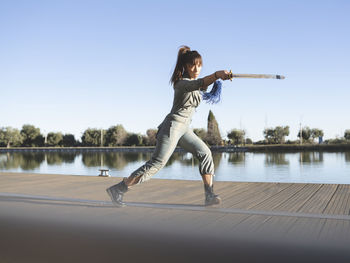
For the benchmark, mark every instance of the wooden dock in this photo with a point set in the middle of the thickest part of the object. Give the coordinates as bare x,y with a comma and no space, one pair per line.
311,222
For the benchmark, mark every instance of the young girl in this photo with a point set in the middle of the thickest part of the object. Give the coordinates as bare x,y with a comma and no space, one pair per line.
175,129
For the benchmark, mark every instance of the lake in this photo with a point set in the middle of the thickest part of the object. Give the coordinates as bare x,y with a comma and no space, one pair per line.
302,167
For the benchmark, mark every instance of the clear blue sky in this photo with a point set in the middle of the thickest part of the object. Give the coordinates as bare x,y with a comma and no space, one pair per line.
70,65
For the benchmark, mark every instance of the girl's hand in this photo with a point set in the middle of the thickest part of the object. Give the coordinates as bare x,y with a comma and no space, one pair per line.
223,74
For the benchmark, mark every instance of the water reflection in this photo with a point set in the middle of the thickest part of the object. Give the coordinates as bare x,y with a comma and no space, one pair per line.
347,157
57,158
237,158
276,159
184,159
116,160
190,160
240,166
25,161
113,160
311,157
217,159
119,160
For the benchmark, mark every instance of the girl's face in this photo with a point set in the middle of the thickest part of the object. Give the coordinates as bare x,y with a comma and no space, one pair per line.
193,70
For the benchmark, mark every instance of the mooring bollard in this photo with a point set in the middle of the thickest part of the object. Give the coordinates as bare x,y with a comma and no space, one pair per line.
104,172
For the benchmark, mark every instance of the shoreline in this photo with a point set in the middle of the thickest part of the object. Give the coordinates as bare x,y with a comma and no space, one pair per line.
248,148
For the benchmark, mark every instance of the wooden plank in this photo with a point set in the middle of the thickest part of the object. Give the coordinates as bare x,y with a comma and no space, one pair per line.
236,191
301,202
244,196
157,191
336,231
306,229
277,224
271,201
298,199
319,200
340,202
226,222
291,204
250,225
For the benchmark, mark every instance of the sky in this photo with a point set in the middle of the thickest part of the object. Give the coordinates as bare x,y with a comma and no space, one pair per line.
66,66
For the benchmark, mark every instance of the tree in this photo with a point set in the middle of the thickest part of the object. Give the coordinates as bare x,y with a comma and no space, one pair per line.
347,134
236,136
31,136
316,133
54,139
2,136
134,139
276,135
151,139
116,135
213,134
269,135
281,133
248,141
10,137
306,134
68,140
91,137
201,133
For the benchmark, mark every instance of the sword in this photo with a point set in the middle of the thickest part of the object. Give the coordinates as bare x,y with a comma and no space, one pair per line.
255,76
213,96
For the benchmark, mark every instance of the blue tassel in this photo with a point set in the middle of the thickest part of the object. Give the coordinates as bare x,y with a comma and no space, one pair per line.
214,95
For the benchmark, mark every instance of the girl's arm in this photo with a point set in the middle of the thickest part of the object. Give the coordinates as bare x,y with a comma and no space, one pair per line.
221,74
201,83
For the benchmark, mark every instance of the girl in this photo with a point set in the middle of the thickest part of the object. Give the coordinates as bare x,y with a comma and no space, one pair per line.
175,130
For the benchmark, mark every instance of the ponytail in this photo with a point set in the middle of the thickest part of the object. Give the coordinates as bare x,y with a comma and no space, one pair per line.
185,56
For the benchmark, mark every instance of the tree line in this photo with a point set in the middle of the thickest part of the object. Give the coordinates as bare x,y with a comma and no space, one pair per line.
31,136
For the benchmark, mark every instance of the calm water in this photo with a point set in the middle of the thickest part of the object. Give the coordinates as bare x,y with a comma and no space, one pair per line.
305,167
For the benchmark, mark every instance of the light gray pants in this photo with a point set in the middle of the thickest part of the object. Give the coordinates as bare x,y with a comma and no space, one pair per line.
170,134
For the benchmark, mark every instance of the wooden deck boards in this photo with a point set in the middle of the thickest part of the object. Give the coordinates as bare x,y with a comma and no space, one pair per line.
340,202
318,202
283,194
325,199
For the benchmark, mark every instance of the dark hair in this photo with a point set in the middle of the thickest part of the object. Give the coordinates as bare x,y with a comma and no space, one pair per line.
184,57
